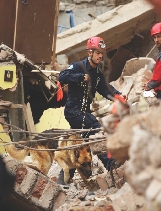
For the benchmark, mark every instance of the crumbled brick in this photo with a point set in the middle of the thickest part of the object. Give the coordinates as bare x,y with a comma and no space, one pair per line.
40,186
34,188
20,174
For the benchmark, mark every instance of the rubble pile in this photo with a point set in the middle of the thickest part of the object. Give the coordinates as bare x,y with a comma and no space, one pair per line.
136,72
143,168
141,147
94,194
118,142
36,190
123,199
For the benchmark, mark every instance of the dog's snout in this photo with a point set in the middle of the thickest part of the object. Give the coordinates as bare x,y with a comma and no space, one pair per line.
86,169
86,173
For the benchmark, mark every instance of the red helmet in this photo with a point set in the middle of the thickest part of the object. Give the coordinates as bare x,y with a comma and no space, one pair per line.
156,29
96,43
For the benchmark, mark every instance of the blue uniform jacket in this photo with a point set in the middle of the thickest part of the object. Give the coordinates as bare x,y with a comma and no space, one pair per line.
80,93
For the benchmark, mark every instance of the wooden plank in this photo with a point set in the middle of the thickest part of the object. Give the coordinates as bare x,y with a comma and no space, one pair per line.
29,119
12,106
46,71
7,21
55,31
35,29
14,40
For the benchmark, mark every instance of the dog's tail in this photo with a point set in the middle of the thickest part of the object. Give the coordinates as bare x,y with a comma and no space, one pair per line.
17,153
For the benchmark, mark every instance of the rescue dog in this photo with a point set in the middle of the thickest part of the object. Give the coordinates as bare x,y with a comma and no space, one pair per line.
79,158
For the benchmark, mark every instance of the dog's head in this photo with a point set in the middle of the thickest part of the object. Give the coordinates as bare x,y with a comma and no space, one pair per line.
84,159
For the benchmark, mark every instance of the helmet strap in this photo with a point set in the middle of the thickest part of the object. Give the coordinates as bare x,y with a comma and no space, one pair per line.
93,62
90,58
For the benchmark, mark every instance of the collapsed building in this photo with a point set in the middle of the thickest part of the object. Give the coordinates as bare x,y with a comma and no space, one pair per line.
127,36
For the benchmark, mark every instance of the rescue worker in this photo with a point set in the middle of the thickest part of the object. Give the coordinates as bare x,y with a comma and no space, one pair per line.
84,78
155,81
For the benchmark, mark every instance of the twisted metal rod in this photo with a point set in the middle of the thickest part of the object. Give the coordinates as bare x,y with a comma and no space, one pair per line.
33,141
59,148
60,134
58,131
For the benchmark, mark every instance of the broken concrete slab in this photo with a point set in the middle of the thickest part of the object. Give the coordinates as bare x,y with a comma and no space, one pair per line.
117,27
135,64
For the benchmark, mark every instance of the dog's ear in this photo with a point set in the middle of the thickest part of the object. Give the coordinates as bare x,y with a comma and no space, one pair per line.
76,153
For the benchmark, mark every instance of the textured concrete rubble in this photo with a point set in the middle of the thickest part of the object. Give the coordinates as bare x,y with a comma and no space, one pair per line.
119,142
137,139
38,192
34,189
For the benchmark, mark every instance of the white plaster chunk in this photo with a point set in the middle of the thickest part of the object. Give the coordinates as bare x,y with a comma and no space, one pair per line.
153,190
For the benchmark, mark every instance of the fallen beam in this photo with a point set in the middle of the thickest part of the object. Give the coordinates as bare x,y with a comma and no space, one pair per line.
117,27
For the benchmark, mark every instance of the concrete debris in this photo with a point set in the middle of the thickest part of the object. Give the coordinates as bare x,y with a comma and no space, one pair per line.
126,199
136,72
141,146
101,107
118,143
143,168
81,198
40,192
98,147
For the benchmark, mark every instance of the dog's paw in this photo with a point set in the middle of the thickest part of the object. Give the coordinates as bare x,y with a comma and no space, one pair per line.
66,177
